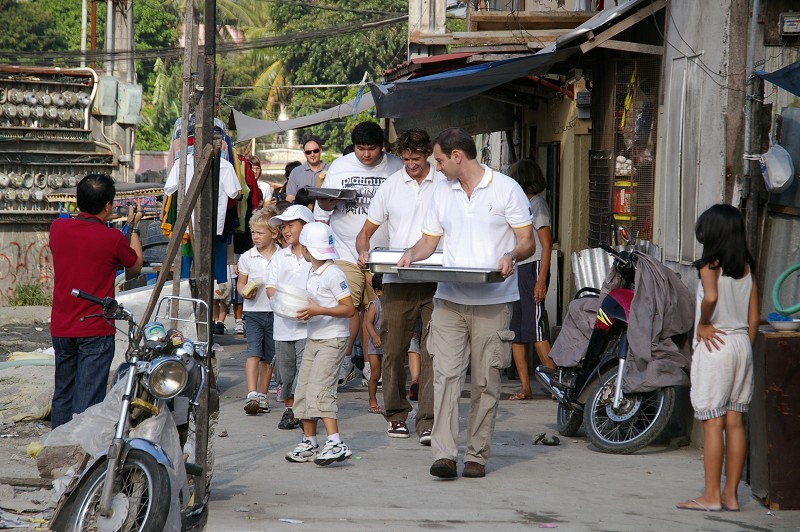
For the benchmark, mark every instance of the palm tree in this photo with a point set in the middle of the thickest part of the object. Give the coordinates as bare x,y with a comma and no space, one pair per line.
252,18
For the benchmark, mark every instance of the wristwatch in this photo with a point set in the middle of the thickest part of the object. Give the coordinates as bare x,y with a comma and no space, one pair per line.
134,231
513,257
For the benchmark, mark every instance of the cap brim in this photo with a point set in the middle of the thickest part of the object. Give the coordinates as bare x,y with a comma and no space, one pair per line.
323,253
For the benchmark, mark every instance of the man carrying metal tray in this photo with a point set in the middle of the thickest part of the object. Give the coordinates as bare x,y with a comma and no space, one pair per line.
484,221
400,204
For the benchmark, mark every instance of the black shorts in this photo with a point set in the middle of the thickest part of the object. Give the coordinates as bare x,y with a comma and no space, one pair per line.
528,317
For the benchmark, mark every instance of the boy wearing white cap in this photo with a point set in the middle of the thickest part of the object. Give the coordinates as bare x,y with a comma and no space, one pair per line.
328,328
289,268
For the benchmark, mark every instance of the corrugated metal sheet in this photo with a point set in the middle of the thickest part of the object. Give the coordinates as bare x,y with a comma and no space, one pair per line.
591,266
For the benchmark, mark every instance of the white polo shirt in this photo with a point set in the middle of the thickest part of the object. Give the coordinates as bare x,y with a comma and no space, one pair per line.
327,286
476,232
288,269
256,267
347,218
400,204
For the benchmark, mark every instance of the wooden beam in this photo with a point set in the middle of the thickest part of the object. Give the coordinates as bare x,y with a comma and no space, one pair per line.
539,20
484,58
533,39
499,48
202,171
527,35
633,47
596,40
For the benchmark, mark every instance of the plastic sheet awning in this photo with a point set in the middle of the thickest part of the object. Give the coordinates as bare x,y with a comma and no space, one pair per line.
248,127
414,96
787,78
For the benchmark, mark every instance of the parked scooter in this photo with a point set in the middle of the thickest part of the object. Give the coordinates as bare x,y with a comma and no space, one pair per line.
592,393
131,485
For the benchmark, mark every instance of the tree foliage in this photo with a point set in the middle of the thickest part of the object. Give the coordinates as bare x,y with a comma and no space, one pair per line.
25,27
342,59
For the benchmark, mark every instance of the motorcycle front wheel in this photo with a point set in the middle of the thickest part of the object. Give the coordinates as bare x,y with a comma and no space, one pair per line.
640,418
140,504
568,421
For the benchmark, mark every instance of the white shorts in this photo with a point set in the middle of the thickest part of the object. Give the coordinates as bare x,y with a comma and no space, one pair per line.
722,380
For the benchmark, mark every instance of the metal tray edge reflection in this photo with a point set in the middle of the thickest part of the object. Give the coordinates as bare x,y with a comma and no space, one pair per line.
376,267
449,275
331,193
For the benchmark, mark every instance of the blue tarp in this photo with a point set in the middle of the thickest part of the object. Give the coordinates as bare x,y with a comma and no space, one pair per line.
787,78
403,98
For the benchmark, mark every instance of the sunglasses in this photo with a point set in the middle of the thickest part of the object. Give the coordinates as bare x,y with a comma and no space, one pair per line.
309,152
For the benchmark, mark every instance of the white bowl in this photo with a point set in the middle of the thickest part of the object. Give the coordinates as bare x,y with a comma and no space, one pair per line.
288,300
785,325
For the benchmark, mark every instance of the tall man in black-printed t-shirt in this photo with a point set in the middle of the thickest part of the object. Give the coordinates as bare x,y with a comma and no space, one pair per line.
363,170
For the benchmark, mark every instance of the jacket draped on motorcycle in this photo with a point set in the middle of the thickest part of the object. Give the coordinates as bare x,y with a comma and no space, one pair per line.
660,322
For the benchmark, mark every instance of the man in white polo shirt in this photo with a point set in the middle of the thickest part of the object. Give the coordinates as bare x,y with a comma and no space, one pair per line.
484,221
400,203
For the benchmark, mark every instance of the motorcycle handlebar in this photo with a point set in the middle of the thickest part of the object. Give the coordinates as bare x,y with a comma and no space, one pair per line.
108,304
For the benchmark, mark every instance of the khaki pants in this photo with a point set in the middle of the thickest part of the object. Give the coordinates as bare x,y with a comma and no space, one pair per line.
402,304
463,335
315,395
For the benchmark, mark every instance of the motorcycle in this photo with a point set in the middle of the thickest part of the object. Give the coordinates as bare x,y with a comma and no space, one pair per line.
591,394
131,485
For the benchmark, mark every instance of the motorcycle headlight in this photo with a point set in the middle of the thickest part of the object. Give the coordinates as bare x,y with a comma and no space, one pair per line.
166,377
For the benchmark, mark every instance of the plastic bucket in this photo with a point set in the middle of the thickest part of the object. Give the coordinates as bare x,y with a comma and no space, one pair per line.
288,300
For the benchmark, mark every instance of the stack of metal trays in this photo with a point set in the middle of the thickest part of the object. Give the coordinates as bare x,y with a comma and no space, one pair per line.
384,260
442,274
348,194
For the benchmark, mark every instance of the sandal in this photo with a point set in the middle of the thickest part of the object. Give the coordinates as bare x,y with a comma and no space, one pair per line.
544,440
374,409
521,396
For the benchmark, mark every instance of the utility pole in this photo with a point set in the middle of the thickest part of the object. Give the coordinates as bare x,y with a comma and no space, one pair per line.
205,230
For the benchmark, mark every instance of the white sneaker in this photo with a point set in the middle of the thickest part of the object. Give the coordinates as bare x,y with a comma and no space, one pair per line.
263,404
239,327
304,452
333,452
347,371
251,403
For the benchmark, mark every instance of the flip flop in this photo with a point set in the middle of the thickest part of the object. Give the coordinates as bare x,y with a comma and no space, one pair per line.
544,440
375,409
697,506
727,509
520,396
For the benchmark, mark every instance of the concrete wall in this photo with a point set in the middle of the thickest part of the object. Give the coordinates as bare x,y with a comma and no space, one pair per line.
24,258
557,122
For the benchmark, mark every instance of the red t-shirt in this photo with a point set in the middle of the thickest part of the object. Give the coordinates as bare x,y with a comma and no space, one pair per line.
86,256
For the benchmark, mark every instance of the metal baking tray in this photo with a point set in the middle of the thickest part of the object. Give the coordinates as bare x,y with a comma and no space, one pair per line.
384,260
444,274
348,194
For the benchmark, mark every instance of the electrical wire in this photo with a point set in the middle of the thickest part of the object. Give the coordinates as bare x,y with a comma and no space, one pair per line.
152,54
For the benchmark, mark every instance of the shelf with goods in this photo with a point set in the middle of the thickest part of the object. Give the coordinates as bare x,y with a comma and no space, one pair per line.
633,180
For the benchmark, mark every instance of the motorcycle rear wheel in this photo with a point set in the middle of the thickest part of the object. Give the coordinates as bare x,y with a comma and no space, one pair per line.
641,418
144,497
568,421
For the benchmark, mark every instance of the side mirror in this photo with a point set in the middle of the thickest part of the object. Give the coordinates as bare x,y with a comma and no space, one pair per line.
625,234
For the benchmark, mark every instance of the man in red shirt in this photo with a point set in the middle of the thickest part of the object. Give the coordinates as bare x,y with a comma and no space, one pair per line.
86,256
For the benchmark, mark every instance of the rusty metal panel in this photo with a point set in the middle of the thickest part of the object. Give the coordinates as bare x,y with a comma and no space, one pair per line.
774,430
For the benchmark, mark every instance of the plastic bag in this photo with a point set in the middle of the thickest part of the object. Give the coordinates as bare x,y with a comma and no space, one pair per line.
93,430
777,169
